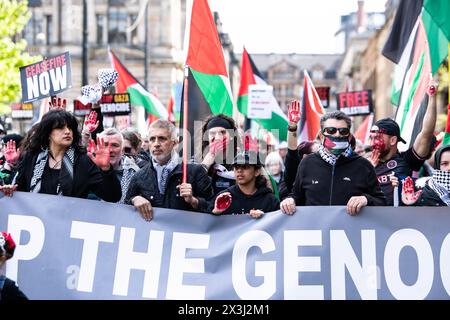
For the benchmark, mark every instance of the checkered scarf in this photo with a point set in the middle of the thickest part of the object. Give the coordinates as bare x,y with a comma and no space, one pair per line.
107,77
331,158
440,183
39,167
129,169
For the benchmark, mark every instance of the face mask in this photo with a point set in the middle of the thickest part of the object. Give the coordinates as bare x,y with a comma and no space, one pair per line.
336,145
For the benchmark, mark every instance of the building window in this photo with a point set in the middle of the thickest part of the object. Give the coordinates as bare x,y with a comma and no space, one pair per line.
117,24
49,29
134,35
282,75
317,75
33,31
100,28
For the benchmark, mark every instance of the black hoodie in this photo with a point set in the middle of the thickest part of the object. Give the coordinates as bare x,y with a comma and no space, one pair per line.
263,199
318,183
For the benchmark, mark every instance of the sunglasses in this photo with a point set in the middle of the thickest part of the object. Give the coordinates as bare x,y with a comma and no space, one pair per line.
333,130
127,150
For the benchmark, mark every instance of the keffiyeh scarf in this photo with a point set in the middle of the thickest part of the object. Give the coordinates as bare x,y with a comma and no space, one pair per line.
331,158
39,167
440,183
129,169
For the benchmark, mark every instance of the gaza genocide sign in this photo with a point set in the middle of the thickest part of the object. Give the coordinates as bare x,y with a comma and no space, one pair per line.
69,248
46,78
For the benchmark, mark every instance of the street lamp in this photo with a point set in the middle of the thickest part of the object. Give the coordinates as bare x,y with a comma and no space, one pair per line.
85,46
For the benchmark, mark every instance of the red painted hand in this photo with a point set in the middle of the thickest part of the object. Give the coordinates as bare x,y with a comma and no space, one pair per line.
11,153
218,145
99,154
91,123
57,103
223,201
409,197
294,112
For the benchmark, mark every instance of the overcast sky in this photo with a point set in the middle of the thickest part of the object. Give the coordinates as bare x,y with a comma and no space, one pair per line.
286,26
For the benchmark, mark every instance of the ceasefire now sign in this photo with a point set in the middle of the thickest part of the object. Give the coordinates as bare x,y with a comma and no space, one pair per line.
46,78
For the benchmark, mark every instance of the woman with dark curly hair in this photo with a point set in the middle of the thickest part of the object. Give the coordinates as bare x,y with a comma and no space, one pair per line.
218,148
53,162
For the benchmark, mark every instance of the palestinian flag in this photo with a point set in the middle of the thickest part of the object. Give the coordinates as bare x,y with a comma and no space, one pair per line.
418,44
251,75
126,82
209,90
312,111
363,131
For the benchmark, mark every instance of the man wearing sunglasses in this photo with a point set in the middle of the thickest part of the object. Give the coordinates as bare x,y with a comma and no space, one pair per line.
335,175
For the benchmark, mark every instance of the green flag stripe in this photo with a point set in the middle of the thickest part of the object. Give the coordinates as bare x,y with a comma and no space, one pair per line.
215,92
140,97
275,123
242,104
438,43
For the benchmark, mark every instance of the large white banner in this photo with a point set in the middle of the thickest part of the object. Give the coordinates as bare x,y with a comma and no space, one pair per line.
69,248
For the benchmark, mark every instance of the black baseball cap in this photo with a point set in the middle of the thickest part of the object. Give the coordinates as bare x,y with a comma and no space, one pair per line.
247,157
389,127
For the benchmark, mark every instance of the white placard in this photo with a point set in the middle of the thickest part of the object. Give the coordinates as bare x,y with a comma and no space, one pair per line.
259,101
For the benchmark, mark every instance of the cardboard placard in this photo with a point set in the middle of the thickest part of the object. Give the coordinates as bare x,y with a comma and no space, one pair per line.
324,96
80,109
115,104
22,111
259,101
46,78
355,103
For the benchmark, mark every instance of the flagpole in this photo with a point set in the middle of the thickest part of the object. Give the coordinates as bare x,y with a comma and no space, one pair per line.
185,123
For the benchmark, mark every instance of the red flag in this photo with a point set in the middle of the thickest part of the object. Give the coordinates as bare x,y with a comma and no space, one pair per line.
312,111
362,133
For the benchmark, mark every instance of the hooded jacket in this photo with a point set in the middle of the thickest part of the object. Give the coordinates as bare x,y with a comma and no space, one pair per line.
263,199
318,183
429,198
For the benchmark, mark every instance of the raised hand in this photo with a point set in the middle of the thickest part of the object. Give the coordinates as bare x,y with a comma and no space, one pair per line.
8,189
409,197
223,201
91,123
11,153
57,103
294,112
218,146
432,87
99,154
375,157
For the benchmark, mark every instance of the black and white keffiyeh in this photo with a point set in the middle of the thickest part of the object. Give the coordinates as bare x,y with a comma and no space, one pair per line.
91,93
129,169
331,158
440,183
107,77
39,167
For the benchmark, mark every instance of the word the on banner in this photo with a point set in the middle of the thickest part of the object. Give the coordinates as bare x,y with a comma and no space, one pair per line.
115,104
355,103
46,78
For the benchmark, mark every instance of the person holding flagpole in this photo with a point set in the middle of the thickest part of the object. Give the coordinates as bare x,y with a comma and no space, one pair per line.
386,158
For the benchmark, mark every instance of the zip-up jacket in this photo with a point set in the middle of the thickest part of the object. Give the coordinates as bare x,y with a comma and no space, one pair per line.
318,183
